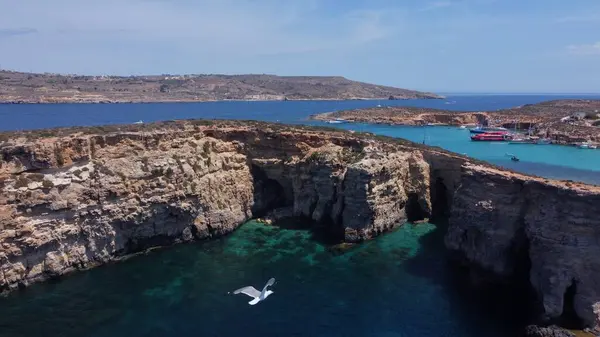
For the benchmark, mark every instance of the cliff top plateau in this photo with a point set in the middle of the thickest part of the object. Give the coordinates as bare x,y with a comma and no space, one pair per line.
19,87
12,139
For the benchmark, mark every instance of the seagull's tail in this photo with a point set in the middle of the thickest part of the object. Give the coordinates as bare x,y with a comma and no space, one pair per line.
254,301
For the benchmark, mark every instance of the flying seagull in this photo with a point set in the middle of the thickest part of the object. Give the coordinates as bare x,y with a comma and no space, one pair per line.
255,294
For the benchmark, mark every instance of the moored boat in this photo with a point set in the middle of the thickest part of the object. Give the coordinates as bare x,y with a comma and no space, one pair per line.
522,141
492,137
487,129
337,121
531,140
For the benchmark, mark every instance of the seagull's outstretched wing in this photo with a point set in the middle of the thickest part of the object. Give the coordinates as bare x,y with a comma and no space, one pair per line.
269,283
249,290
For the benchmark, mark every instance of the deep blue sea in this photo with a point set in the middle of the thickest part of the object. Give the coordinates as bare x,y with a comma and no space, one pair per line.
398,285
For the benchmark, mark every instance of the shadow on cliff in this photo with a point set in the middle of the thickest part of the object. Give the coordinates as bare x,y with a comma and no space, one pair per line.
511,306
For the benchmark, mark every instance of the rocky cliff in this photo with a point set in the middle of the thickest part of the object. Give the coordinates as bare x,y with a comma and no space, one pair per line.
72,199
80,200
509,224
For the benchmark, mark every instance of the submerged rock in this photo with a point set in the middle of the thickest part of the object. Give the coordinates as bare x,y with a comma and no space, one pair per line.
340,248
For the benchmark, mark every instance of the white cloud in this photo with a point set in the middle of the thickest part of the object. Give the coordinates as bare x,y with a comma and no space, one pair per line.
585,49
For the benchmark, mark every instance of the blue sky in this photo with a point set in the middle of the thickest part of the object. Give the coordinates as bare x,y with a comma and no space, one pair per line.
550,46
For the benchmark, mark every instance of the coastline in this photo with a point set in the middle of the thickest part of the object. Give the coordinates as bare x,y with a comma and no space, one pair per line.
556,120
182,185
15,102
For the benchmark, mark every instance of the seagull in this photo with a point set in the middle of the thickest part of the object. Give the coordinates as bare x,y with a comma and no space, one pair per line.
255,294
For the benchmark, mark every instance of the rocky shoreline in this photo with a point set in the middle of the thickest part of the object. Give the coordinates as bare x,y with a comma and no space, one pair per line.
555,120
75,198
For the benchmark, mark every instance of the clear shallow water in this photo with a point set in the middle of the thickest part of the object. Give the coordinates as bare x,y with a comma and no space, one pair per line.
551,161
396,285
558,162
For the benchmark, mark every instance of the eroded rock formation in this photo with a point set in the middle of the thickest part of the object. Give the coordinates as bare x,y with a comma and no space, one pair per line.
87,196
82,200
506,224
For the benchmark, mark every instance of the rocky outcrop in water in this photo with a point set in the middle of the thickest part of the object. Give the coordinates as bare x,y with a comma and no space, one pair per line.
545,119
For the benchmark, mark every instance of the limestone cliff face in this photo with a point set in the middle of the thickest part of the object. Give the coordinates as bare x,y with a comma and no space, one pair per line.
504,223
81,199
78,201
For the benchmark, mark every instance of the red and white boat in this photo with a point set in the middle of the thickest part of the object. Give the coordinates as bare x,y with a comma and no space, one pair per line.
497,136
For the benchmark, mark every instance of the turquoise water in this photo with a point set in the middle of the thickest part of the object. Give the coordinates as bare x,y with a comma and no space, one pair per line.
552,161
396,285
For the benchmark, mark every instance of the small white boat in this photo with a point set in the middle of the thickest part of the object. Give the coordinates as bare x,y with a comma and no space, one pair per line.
485,129
521,141
139,122
587,146
336,121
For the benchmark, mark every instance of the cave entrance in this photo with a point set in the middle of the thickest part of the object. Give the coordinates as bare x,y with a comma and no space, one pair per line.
440,205
569,318
269,194
413,208
274,198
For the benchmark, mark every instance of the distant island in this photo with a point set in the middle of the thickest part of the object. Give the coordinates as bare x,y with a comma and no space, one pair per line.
20,87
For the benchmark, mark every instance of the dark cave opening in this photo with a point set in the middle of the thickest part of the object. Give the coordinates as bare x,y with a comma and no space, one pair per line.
414,210
440,205
269,194
328,232
274,199
569,318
